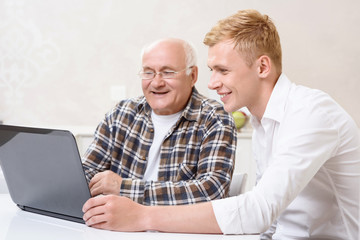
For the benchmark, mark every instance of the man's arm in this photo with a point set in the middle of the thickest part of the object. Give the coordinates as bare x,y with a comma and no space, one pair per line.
97,157
122,214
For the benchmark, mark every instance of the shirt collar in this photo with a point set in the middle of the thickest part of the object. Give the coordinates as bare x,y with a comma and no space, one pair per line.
193,108
276,104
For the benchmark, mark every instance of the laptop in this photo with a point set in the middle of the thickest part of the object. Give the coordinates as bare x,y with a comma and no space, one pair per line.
43,171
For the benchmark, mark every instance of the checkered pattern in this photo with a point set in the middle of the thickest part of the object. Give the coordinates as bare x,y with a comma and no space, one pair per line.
197,155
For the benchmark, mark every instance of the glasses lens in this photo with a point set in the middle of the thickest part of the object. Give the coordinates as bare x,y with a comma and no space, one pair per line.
147,75
168,74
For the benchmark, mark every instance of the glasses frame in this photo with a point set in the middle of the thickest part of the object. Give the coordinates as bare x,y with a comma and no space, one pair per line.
161,73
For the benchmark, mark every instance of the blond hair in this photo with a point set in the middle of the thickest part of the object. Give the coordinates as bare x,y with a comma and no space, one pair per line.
254,35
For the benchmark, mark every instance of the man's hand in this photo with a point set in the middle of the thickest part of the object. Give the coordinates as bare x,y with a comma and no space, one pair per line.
114,213
106,182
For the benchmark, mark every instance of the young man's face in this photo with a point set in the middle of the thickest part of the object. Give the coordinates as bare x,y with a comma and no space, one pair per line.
167,96
232,78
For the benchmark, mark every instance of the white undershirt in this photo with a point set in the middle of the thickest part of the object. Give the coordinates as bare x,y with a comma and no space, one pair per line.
162,125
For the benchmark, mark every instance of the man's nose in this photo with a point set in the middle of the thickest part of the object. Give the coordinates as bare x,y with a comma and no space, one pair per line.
214,82
158,80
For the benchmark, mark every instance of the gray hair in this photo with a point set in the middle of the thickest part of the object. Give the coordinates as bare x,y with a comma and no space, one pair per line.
190,55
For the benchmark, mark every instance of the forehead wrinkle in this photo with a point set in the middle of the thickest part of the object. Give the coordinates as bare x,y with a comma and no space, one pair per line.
161,68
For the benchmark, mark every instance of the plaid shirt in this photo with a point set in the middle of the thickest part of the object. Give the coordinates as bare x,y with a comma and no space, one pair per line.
196,160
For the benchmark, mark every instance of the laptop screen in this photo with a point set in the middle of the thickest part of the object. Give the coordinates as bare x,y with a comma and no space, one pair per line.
43,169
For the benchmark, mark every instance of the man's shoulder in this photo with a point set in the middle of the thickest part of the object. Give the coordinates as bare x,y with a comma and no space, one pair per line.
309,98
313,108
129,106
204,102
208,110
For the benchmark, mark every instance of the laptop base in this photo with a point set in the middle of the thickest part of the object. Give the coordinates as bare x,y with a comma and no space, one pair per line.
52,214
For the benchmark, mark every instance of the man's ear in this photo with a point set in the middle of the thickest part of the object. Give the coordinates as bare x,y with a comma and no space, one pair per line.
264,66
194,75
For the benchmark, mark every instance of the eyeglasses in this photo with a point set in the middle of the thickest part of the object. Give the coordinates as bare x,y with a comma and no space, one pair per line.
167,74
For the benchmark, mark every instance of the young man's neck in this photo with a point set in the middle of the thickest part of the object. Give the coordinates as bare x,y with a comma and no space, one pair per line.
259,108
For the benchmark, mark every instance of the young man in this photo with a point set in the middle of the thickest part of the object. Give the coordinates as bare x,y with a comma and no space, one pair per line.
306,147
171,146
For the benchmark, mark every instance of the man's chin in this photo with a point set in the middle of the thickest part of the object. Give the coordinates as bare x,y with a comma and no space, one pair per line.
229,108
161,109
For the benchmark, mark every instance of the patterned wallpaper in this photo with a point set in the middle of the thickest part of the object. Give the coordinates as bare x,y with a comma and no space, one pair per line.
25,55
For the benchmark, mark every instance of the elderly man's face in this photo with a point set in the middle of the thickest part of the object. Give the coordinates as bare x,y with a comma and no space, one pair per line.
167,96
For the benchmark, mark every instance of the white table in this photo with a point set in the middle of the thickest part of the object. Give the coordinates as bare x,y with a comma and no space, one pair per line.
16,224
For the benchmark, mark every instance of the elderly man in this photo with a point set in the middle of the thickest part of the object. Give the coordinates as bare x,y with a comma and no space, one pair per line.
171,146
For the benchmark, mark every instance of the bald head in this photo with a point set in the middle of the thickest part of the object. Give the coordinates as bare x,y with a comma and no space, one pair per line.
185,50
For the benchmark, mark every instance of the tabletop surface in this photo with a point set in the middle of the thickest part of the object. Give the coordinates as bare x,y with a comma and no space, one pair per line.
16,224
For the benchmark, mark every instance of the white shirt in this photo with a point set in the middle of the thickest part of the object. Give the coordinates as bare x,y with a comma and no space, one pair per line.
162,125
307,150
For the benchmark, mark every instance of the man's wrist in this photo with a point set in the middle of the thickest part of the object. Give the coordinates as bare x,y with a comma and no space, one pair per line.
148,221
128,186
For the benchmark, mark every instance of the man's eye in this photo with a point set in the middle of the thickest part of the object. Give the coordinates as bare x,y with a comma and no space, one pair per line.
223,71
148,73
168,73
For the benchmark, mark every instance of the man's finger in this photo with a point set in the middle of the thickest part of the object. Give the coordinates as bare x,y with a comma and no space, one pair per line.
93,202
95,179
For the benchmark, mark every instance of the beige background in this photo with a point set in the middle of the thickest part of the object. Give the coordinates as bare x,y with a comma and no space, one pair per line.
67,62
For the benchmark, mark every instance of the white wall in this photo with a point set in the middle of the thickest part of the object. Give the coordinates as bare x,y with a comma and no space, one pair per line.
60,59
